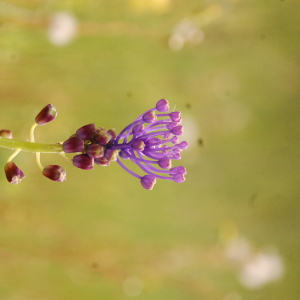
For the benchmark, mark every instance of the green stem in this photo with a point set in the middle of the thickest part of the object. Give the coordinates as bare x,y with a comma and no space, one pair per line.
30,146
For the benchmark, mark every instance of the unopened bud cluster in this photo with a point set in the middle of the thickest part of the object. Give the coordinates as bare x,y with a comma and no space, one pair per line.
150,141
90,145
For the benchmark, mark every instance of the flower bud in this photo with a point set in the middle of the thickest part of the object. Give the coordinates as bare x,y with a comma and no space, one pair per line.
95,151
149,117
178,130
113,133
46,115
13,174
102,161
178,177
6,134
73,144
83,161
138,145
148,181
102,137
55,173
165,162
86,132
123,154
162,105
175,116
111,154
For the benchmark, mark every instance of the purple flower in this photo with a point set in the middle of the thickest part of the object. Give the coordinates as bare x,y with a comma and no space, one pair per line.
151,142
13,173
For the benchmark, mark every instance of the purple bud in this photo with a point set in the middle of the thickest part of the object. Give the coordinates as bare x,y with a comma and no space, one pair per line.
111,154
183,145
123,155
148,181
149,117
102,137
86,132
73,144
178,177
83,161
177,130
55,173
113,133
162,105
46,115
6,134
165,162
179,169
137,129
13,173
175,116
138,145
175,139
95,151
102,161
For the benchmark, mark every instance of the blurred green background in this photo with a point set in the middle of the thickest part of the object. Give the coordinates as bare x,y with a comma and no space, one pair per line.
231,231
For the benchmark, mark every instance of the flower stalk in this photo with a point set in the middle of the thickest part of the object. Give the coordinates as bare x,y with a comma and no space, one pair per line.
30,146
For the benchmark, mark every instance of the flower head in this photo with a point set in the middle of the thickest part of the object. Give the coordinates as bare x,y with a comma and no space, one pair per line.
150,141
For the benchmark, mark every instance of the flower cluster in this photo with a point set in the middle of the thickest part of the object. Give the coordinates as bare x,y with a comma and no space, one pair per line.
150,141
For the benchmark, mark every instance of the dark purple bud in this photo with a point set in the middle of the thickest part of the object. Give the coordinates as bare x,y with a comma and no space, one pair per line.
149,117
73,144
175,116
138,145
102,137
13,173
177,130
46,115
113,133
162,105
102,161
95,151
55,173
148,181
165,162
86,132
83,161
6,134
110,154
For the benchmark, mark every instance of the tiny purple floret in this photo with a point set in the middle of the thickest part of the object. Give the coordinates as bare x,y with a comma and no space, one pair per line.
162,105
148,182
